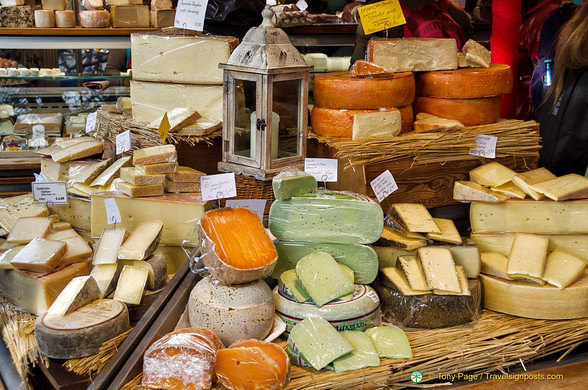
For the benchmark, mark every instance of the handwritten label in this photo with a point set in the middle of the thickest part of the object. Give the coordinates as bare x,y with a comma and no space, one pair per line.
38,131
255,205
384,185
271,2
381,16
40,178
218,186
91,122
164,127
323,169
485,146
53,193
190,14
301,4
123,142
112,212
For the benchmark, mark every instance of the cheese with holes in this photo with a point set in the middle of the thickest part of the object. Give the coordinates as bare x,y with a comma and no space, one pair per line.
448,233
390,342
526,179
185,175
131,284
40,255
364,353
77,151
470,112
153,169
510,190
340,90
76,212
142,242
414,217
79,291
376,125
106,276
494,264
439,269
28,228
465,83
468,191
492,174
570,186
162,17
45,18
562,269
112,172
413,271
156,267
138,191
131,16
130,175
108,246
82,332
413,54
77,248
65,19
527,257
341,122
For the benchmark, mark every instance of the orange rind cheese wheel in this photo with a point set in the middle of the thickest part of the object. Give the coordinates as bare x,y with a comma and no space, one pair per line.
362,68
470,112
343,91
465,83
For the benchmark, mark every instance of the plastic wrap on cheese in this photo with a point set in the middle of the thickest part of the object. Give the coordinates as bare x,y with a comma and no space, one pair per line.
183,359
292,182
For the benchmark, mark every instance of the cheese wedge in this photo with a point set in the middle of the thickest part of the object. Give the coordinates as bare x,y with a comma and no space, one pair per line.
413,270
439,269
185,175
79,291
527,257
448,233
131,284
155,155
397,277
40,255
135,191
390,342
468,191
78,151
152,169
106,276
526,179
7,256
511,190
492,174
563,269
178,118
463,284
156,267
571,186
87,174
77,248
414,217
112,172
364,353
392,237
131,175
178,187
27,228
142,242
467,255
293,286
494,264
108,246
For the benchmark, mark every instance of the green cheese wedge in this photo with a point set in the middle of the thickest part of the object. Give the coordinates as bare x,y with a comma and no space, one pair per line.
293,287
336,217
364,353
293,182
362,259
390,342
323,278
314,341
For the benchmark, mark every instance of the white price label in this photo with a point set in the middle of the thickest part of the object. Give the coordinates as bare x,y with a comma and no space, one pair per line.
190,14
255,205
112,212
218,186
40,178
301,4
91,122
52,193
384,185
485,146
323,169
38,131
271,2
123,142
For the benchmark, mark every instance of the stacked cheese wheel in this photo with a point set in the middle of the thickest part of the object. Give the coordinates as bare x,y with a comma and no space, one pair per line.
340,97
469,95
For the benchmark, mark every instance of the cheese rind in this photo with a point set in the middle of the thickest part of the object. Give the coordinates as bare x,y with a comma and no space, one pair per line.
174,186
79,291
527,256
131,16
293,287
185,175
494,264
153,169
106,276
413,54
392,237
53,5
130,175
88,173
156,267
131,284
562,269
108,246
470,112
45,18
162,17
28,228
40,255
142,242
492,174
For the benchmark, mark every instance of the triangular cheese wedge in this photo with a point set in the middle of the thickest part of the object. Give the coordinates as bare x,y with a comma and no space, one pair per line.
468,191
492,174
571,186
494,264
527,257
526,179
414,217
511,190
396,276
448,233
563,269
439,269
392,237
413,270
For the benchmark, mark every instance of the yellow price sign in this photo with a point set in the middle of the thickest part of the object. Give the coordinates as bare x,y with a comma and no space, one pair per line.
381,16
164,127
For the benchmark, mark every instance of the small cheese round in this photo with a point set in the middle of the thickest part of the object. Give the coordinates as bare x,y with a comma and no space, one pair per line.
341,90
94,18
65,19
45,18
470,112
331,122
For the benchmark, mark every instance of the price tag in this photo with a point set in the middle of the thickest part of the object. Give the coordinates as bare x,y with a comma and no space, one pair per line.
164,127
190,14
38,131
271,2
323,169
40,178
301,4
218,186
381,16
91,122
485,146
112,212
123,142
255,205
52,193
384,185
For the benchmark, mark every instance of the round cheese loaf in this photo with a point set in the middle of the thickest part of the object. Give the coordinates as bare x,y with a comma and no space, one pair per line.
470,112
45,18
65,19
341,90
407,118
465,83
331,122
94,18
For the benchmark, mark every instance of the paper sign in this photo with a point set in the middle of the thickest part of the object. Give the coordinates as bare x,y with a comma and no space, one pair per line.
381,16
123,142
51,193
112,212
255,205
38,131
164,127
384,185
485,146
323,169
91,122
301,4
218,186
40,178
271,2
190,14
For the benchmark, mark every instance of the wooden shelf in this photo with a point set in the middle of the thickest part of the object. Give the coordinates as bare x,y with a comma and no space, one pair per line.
75,31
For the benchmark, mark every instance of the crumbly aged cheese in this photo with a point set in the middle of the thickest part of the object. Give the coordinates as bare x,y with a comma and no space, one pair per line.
174,186
510,189
79,291
439,269
527,257
390,342
153,169
465,83
108,246
563,269
40,255
526,179
341,122
178,212
539,217
185,175
56,5
76,212
448,233
94,18
570,186
131,16
177,118
340,90
130,175
494,264
492,174
470,112
131,284
155,155
468,191
413,54
376,125
152,100
292,286
361,68
16,16
77,151
392,237
156,267
475,53
364,353
413,271
106,276
82,332
142,242
45,18
414,217
138,191
28,228
93,4
155,58
112,172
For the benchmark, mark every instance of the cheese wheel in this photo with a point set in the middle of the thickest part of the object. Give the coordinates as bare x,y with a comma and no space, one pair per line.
94,18
65,19
470,112
341,90
465,83
407,118
45,18
331,122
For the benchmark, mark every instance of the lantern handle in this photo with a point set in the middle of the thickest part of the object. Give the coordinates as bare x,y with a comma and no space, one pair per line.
260,124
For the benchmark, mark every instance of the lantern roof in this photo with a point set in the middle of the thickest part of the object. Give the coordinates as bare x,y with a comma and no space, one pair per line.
266,47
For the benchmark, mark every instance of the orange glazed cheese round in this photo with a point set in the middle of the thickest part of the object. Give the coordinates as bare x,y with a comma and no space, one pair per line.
330,122
465,83
407,118
470,112
341,90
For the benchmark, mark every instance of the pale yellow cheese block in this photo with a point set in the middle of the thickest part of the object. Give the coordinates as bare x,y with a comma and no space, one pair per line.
511,190
131,284
174,186
494,264
413,271
526,179
78,151
392,237
463,284
376,125
468,191
492,174
17,207
112,172
108,246
527,257
571,186
448,233
185,175
155,155
131,175
397,277
439,269
77,248
415,217
153,169
178,118
139,191
562,268
40,255
142,242
202,127
27,228
53,171
535,301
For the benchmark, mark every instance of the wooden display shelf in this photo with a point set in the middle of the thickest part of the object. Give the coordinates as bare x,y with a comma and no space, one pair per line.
77,31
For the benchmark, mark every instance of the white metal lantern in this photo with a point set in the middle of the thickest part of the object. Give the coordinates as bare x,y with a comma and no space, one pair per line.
265,104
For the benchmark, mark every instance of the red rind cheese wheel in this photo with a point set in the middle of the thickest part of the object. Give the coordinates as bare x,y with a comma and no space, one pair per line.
465,83
470,112
341,90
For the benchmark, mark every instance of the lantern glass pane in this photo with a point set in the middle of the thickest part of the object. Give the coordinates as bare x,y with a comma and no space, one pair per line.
244,130
286,111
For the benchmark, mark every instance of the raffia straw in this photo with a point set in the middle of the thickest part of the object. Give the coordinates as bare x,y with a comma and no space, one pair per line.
95,363
134,384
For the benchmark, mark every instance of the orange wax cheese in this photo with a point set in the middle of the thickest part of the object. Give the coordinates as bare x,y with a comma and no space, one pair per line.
343,91
465,83
331,122
470,112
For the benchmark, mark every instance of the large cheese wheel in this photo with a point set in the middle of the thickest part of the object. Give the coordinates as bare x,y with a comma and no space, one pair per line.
331,122
341,90
470,112
65,18
465,83
44,18
94,18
